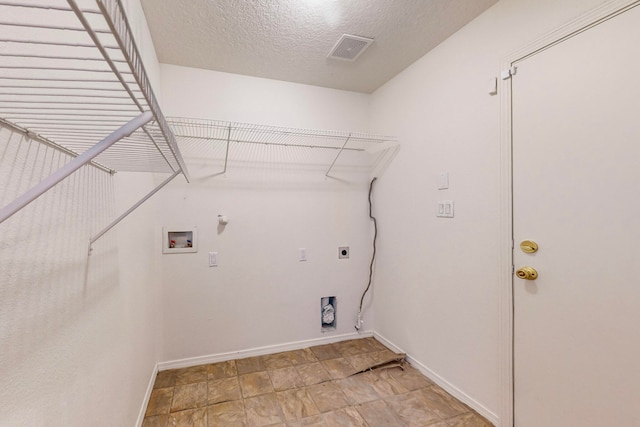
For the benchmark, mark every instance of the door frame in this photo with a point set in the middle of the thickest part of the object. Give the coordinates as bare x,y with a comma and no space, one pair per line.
600,14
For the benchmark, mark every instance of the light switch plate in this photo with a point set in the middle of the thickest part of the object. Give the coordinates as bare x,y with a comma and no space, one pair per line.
213,259
443,180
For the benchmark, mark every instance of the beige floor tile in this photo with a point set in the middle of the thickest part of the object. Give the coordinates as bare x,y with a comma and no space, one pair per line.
384,356
324,352
227,414
224,390
218,371
385,384
156,421
360,362
349,348
358,389
469,419
194,374
443,404
364,345
296,403
249,365
300,357
373,344
412,409
165,379
409,377
276,361
338,368
273,387
357,346
379,414
189,418
160,401
285,379
327,396
313,373
263,410
314,421
347,417
255,384
189,396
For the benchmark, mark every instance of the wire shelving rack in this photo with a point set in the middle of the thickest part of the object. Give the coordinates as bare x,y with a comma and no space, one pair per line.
332,150
71,76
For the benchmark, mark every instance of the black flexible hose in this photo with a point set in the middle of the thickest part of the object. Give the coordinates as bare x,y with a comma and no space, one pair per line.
375,238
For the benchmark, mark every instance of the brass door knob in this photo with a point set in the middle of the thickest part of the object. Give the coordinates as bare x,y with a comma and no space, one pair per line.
527,273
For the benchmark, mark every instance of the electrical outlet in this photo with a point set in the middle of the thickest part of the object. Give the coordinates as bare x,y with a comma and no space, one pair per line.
445,209
343,252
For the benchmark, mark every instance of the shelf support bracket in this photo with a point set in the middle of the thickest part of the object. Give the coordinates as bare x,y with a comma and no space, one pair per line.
338,155
226,154
132,208
75,164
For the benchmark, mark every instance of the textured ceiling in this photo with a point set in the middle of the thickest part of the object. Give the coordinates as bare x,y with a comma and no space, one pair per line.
290,39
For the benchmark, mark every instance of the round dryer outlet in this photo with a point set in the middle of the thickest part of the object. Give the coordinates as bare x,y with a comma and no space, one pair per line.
343,252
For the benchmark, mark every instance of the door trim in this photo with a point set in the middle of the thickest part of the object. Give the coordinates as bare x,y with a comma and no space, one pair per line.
588,20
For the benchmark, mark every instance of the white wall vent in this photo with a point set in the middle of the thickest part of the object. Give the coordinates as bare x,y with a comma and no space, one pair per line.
349,47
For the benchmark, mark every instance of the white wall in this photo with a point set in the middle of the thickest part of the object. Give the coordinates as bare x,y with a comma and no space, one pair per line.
78,335
74,336
260,294
196,93
436,286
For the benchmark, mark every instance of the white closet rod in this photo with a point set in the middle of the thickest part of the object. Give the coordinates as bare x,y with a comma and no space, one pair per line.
75,164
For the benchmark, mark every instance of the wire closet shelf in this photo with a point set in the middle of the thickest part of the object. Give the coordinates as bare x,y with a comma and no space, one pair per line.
333,150
71,76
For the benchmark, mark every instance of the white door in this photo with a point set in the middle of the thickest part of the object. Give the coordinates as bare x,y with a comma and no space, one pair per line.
576,181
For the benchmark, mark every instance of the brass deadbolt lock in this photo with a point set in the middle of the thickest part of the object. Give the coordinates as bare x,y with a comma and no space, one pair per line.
527,273
529,246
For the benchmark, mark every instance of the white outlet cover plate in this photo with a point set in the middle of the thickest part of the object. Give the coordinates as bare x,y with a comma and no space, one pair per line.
445,209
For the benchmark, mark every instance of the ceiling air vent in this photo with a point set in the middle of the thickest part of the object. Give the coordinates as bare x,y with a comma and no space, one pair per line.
349,47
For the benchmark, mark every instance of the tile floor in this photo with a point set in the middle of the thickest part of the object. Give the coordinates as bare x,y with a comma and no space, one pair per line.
311,387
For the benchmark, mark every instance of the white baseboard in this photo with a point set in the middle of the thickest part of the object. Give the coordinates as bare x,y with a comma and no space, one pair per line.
259,351
147,396
450,388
